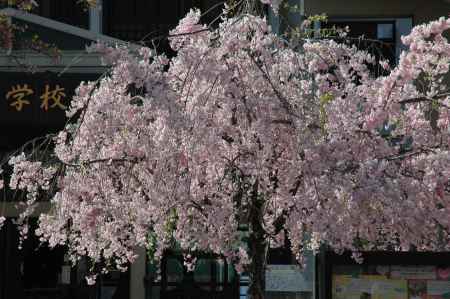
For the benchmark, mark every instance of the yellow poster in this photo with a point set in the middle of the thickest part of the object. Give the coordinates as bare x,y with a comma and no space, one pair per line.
368,287
344,287
390,289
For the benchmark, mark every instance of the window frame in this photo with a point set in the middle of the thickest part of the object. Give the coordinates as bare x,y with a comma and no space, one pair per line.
402,26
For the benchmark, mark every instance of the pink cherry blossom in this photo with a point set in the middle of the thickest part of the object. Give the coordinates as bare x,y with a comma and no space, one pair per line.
240,129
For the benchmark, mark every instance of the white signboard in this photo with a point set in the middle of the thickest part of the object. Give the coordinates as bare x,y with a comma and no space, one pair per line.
287,278
368,286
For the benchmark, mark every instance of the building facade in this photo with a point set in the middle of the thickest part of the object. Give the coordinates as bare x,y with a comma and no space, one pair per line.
387,275
35,91
33,104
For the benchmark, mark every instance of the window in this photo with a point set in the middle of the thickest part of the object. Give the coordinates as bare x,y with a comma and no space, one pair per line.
212,277
388,31
71,12
142,20
366,34
243,286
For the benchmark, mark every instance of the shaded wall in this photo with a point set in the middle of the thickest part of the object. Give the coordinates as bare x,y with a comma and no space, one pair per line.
420,10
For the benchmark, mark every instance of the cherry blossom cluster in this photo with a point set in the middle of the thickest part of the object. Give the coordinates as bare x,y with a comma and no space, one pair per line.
240,130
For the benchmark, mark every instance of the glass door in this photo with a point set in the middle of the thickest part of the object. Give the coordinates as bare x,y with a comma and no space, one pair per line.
212,278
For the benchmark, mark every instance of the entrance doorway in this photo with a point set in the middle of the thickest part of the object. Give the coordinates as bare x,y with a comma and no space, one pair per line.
212,278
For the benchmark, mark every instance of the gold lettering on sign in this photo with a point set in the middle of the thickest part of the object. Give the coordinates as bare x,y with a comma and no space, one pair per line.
18,93
54,96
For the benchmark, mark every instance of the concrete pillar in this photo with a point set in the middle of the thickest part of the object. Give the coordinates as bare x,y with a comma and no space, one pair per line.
137,275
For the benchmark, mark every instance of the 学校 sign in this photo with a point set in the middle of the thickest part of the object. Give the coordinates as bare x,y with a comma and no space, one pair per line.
35,104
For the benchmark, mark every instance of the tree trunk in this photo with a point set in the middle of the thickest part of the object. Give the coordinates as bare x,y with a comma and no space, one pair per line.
258,247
